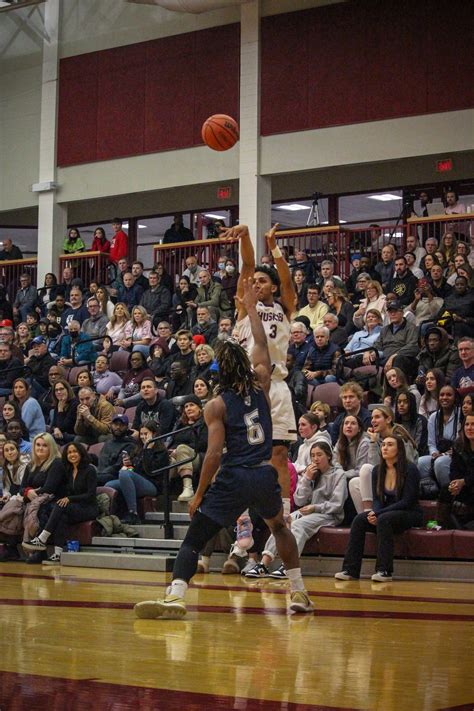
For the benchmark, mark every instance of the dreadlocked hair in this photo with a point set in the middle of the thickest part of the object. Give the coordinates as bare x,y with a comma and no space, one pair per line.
235,370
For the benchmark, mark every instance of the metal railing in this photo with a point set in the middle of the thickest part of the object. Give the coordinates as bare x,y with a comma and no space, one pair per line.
207,252
87,266
462,226
11,270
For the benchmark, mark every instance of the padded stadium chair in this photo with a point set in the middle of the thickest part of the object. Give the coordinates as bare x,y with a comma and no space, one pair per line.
334,541
430,544
430,510
96,449
74,372
119,362
328,393
309,396
463,545
130,412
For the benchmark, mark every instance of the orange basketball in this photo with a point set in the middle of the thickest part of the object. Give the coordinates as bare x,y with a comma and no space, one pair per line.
220,132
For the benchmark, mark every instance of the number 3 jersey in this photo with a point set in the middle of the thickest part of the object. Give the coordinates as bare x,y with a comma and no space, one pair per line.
277,330
248,429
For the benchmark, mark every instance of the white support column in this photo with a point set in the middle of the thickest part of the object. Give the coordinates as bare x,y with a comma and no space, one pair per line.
255,190
52,217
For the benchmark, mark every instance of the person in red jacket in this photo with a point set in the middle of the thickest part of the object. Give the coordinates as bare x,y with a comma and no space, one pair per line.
119,246
100,243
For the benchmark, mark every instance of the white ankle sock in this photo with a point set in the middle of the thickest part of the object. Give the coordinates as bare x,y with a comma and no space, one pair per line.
206,559
178,587
44,536
286,507
296,580
58,550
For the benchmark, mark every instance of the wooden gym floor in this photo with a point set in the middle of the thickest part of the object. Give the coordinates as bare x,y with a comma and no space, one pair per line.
69,640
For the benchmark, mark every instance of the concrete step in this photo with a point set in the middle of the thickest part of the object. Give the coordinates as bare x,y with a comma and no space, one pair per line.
159,517
180,507
151,531
160,544
88,558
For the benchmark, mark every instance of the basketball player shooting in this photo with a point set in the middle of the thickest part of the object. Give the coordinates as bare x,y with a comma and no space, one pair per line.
275,316
239,419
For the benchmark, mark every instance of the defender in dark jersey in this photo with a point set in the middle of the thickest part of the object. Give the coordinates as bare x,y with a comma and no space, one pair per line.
239,420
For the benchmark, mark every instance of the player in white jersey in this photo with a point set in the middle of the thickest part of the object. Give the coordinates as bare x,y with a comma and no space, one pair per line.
275,317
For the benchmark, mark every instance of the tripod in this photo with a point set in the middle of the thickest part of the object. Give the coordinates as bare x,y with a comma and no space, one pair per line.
313,217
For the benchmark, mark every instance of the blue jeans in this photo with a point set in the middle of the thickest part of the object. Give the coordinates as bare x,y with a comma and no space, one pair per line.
441,468
132,485
320,381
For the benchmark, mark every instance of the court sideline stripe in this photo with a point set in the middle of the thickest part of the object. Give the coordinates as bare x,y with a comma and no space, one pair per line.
373,614
244,588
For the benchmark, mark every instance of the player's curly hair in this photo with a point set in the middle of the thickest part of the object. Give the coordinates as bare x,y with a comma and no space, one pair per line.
235,370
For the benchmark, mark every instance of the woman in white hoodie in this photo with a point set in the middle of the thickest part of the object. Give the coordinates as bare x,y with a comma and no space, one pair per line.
309,430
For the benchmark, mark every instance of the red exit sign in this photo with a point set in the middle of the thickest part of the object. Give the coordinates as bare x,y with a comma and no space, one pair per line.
445,165
224,192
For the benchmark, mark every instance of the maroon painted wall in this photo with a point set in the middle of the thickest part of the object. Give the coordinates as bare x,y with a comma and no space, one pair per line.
146,97
365,61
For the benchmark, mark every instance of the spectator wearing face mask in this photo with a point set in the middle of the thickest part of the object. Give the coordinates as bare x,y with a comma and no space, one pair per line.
84,350
229,280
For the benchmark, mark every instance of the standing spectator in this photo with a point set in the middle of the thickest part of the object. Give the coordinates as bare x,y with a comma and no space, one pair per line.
94,417
301,288
73,242
131,293
10,251
96,325
6,309
395,509
100,243
26,299
229,280
138,275
177,232
76,348
31,412
119,244
156,300
78,504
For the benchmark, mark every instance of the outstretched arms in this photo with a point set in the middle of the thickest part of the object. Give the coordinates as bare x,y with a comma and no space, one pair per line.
287,290
241,232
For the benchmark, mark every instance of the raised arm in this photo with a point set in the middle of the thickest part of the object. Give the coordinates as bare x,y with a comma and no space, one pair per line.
287,289
241,232
260,355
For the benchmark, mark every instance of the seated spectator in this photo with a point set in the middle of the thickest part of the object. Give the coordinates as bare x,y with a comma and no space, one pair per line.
351,396
399,338
403,283
463,377
57,310
382,425
413,246
386,267
375,299
406,414
425,304
31,412
48,292
100,243
153,407
203,358
106,305
439,284
308,433
121,269
165,278
323,413
84,379
327,274
130,293
94,417
205,325
395,509
301,287
340,305
366,337
32,321
437,353
110,459
337,334
15,430
39,364
183,298
306,266
10,251
192,270
103,378
127,393
411,263
156,299
224,331
320,493
177,232
115,328
322,358
458,262
139,474
185,353
26,299
394,381
202,390
138,275
456,501
10,369
14,464
96,325
63,414
443,429
458,310
6,309
138,332
78,504
12,411
360,291
229,281
76,348
77,311
159,360
190,444
352,446
73,242
179,381
467,407
433,381
300,343
296,381
212,295
316,309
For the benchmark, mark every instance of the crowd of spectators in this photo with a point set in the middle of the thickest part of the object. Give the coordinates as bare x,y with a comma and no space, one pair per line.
122,363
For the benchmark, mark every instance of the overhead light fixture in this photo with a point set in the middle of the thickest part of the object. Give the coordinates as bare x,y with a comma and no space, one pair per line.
384,197
125,226
293,207
343,222
214,216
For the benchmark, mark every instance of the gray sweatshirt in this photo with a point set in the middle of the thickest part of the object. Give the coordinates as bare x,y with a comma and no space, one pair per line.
357,456
328,495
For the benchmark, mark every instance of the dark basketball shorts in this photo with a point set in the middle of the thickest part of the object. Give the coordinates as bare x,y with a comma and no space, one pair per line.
238,488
